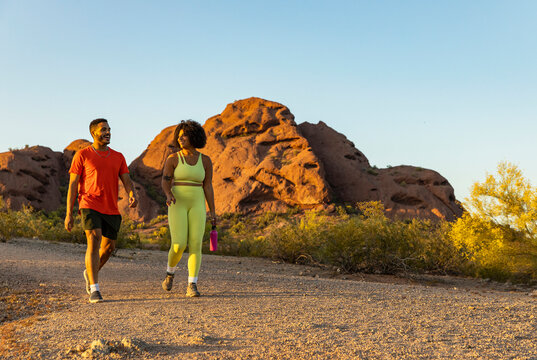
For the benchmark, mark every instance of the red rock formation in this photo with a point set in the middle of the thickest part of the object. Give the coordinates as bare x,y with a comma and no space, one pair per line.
31,177
71,149
344,165
405,191
261,162
409,192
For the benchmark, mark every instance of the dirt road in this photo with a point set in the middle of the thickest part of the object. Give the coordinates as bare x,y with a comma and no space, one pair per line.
250,309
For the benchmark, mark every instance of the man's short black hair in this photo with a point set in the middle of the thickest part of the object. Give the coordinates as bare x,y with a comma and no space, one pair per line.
94,124
193,130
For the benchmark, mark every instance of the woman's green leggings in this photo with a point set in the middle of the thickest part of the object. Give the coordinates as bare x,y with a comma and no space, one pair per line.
186,219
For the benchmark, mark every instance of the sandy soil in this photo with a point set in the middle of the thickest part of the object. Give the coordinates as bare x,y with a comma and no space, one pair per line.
249,309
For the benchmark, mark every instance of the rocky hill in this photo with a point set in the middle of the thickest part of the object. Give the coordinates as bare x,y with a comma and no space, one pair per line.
32,176
263,161
405,191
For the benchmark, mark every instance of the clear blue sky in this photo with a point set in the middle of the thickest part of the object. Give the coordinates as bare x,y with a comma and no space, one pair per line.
445,85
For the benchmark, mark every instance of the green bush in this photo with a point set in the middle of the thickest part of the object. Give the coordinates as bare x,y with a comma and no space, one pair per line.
158,219
50,226
30,223
266,219
127,236
369,242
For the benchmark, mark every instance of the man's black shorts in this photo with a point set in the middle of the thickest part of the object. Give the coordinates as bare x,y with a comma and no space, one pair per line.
109,224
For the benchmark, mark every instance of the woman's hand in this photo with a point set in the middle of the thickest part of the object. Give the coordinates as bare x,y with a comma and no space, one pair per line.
170,199
212,216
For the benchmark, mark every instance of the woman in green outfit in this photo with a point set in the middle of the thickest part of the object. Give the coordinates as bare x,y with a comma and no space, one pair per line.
187,183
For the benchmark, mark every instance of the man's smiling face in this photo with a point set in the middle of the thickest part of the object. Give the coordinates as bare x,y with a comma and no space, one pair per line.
102,133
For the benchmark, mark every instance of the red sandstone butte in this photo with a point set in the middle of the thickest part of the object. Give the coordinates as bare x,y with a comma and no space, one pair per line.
31,176
405,191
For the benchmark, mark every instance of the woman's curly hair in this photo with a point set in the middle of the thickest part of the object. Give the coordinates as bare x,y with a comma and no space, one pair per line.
193,130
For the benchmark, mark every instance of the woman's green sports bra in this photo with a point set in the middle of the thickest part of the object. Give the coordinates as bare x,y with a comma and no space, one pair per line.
189,173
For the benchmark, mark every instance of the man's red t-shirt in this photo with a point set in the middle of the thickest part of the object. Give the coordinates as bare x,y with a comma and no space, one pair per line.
99,174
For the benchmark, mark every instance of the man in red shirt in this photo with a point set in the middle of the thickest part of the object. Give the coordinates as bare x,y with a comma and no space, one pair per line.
94,174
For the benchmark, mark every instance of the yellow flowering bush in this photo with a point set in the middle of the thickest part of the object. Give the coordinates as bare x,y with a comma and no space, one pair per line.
498,234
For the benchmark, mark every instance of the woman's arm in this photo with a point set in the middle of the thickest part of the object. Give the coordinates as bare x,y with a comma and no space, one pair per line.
208,187
167,178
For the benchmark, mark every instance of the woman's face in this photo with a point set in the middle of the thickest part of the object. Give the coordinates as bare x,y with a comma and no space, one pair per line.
183,140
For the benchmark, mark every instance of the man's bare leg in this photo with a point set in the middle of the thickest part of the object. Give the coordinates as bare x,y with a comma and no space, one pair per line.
94,238
93,261
107,248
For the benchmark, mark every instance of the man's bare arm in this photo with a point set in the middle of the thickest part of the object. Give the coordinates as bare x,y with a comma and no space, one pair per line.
71,197
129,188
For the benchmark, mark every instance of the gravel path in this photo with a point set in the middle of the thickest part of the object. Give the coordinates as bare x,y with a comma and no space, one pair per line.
253,309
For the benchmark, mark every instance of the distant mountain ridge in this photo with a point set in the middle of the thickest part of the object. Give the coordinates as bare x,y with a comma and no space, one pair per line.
263,161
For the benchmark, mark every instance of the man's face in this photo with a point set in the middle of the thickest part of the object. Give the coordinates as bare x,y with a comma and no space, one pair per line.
102,133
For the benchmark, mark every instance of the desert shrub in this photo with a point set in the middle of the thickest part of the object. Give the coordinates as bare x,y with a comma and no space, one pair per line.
162,237
498,234
266,219
368,242
494,251
158,219
10,226
507,199
228,216
50,226
372,170
241,235
238,228
293,210
30,223
228,244
236,237
141,225
127,236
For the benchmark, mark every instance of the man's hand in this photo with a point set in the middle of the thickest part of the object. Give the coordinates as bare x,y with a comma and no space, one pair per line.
133,202
68,222
129,189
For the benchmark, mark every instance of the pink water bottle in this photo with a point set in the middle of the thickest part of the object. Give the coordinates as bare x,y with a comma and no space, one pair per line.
214,239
